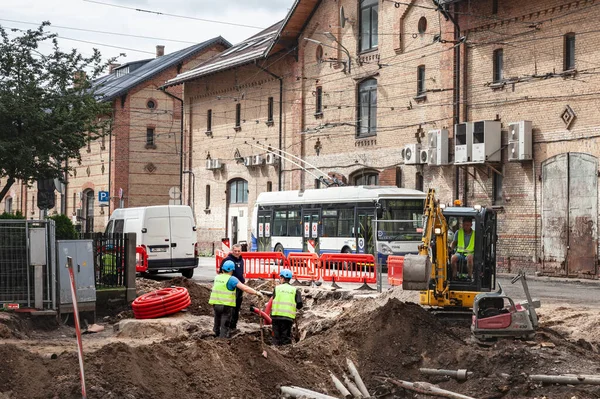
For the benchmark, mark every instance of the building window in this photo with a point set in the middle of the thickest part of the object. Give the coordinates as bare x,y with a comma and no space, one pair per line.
319,54
238,116
319,101
497,184
8,205
421,80
367,108
88,209
419,181
270,110
75,205
569,51
207,199
150,142
209,120
422,26
89,142
494,7
399,177
238,192
151,104
369,21
365,178
498,65
269,186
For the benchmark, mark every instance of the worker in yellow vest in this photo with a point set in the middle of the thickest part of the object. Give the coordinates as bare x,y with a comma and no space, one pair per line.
287,300
223,297
464,242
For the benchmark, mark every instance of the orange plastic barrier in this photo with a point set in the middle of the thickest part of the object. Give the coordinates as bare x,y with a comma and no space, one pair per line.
263,264
141,260
304,265
348,268
219,256
395,269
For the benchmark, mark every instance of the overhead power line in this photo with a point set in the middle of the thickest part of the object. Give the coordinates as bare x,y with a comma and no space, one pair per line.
175,15
99,31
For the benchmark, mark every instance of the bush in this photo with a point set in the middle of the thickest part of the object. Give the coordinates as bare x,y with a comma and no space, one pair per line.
65,230
16,215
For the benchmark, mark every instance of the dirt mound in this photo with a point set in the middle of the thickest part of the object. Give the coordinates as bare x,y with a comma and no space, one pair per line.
12,326
199,295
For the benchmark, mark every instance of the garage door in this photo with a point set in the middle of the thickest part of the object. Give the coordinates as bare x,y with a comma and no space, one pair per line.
570,214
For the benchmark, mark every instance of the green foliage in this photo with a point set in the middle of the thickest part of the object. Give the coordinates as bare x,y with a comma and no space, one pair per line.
16,215
65,230
48,108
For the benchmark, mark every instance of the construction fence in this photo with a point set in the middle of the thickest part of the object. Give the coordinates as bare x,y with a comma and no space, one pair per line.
329,267
27,263
110,258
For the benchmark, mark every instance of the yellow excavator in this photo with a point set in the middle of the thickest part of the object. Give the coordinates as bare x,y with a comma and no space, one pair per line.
443,285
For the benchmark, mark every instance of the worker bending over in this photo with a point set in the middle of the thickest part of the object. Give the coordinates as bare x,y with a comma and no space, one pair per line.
286,301
464,242
223,298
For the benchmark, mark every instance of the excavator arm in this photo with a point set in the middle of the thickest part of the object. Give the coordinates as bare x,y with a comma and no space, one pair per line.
428,269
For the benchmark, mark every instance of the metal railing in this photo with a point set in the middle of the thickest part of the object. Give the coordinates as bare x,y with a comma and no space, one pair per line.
110,259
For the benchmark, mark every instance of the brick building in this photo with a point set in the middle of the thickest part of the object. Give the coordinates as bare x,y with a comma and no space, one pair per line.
236,109
140,157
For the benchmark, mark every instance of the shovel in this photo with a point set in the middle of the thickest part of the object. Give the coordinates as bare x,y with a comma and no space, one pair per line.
262,339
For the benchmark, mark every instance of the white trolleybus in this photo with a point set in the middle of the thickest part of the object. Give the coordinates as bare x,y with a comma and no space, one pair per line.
339,220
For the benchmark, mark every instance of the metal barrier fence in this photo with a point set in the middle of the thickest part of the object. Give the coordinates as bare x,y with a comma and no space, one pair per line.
27,260
348,268
110,258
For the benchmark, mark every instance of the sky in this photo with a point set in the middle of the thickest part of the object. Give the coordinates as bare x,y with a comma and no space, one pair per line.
156,29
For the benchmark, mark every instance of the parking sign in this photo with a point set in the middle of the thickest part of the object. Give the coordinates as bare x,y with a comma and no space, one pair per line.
103,196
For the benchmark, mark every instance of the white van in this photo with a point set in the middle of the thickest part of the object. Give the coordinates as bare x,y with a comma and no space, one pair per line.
167,233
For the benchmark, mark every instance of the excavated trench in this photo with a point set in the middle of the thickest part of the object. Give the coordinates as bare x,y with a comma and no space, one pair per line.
384,336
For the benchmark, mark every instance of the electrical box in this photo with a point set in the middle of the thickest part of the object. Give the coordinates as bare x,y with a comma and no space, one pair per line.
463,142
82,252
412,154
520,143
437,140
486,141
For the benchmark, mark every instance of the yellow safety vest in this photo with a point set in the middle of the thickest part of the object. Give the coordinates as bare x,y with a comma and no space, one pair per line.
220,295
284,303
109,264
470,250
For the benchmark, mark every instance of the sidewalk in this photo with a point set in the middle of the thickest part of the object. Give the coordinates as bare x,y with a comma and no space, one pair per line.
549,279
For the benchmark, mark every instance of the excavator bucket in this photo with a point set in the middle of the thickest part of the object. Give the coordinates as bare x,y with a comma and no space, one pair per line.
417,272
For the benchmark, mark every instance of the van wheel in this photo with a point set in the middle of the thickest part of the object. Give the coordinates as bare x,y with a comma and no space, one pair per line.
187,273
279,248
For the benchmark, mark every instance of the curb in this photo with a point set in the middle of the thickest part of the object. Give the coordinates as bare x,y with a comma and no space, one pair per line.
552,279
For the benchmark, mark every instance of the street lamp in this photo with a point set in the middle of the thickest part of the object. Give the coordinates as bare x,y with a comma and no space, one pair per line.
331,37
193,190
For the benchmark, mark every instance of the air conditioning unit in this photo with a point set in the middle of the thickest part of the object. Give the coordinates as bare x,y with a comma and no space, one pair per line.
248,161
209,163
412,154
520,141
258,160
486,141
271,159
463,143
217,164
438,147
424,156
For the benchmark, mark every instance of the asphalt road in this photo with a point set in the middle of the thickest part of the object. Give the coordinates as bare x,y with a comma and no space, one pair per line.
547,290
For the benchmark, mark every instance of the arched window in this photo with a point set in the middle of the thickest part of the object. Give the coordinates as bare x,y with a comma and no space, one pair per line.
365,177
88,210
8,205
238,191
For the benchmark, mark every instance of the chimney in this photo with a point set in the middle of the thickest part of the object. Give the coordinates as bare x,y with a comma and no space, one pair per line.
112,66
160,51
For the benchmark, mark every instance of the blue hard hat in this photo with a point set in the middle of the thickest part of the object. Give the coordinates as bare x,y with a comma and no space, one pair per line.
228,266
286,273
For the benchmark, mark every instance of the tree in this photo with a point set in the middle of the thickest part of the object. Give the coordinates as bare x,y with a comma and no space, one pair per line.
48,107
65,230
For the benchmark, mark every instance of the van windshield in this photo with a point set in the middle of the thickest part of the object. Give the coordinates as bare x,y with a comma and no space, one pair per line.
109,227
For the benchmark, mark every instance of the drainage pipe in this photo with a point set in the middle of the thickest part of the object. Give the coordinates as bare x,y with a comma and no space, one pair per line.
459,375
296,392
567,379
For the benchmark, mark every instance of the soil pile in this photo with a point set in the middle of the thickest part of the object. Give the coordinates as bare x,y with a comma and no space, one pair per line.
199,295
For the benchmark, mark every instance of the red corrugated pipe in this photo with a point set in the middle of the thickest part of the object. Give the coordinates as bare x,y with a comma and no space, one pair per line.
161,303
